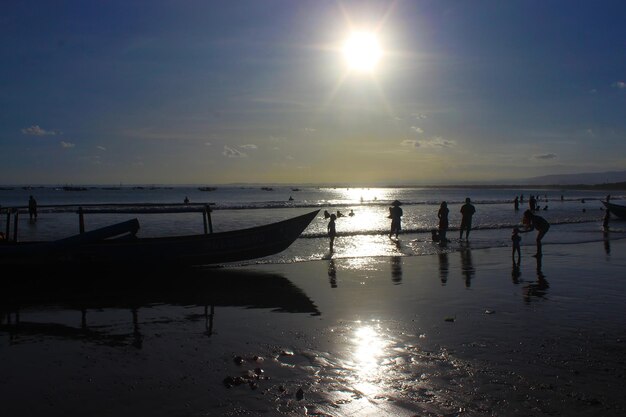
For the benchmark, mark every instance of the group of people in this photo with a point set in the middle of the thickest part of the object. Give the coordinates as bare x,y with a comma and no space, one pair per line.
530,220
467,212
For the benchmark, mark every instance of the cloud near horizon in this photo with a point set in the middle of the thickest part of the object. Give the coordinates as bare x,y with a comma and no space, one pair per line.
67,145
248,146
620,85
36,130
545,156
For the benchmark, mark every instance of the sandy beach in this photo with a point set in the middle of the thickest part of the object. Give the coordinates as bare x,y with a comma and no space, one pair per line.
462,333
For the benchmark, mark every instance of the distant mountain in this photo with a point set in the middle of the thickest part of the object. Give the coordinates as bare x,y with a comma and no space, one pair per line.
571,179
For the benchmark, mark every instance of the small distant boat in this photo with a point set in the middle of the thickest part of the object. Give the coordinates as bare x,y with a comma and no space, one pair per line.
267,189
69,188
118,245
207,188
615,209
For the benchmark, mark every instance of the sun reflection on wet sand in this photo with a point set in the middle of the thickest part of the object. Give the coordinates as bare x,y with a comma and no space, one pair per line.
370,349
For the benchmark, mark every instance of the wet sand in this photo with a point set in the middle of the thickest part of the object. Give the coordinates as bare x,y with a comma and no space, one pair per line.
463,333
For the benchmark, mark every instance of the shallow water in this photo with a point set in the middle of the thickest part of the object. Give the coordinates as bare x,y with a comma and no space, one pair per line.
362,235
462,333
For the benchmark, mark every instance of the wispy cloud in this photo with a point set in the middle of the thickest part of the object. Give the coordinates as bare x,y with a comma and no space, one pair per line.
545,156
233,153
207,143
410,142
417,129
419,116
100,147
36,130
309,130
438,142
67,145
620,85
248,146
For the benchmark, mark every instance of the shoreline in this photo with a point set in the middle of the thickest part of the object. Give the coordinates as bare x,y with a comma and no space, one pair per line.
462,333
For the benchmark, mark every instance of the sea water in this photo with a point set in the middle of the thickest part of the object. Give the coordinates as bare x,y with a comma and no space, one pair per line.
575,215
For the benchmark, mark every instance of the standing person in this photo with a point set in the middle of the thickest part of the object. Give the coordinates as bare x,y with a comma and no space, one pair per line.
467,211
395,214
532,222
516,239
532,203
516,203
443,222
32,208
332,231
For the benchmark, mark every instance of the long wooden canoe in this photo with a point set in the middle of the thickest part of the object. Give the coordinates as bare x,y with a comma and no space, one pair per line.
191,250
615,209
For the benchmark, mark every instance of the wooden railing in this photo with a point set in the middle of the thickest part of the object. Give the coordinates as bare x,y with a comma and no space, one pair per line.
108,208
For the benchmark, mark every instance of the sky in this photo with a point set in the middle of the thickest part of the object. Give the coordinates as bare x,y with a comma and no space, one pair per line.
219,92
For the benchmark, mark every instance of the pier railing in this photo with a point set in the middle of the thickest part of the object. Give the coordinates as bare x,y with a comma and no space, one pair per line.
107,208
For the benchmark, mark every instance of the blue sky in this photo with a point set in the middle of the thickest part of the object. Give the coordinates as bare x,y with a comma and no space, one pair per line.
200,92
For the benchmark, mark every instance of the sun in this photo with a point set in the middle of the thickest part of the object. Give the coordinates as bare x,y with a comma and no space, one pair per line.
362,51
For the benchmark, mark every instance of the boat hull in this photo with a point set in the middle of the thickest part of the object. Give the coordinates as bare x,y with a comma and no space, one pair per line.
617,210
204,249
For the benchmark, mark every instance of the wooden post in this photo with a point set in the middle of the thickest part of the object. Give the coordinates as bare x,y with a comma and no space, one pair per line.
204,215
8,224
15,225
81,221
207,209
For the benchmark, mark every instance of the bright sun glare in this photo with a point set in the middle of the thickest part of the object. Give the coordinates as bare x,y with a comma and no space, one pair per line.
362,51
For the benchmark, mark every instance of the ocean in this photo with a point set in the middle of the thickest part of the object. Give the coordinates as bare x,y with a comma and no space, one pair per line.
575,216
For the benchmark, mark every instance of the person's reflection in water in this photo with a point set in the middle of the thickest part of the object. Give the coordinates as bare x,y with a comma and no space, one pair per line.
396,269
515,273
607,243
137,336
467,267
444,267
538,288
332,273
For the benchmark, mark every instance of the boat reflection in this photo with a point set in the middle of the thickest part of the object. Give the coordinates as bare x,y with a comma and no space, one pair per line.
208,288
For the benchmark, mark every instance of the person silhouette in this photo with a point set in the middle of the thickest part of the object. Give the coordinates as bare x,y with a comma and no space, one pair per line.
516,239
395,214
32,208
467,211
332,231
531,222
443,222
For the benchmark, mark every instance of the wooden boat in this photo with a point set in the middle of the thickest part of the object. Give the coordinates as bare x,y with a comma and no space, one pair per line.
118,245
617,210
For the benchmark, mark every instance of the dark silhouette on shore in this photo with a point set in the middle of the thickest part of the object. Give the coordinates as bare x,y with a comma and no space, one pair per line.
443,222
531,222
467,211
332,231
395,214
516,239
32,208
516,203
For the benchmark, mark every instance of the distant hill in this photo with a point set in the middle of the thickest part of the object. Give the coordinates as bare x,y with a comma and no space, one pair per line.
572,179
